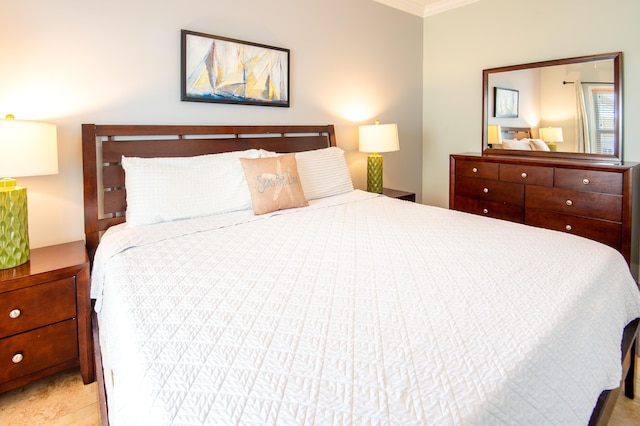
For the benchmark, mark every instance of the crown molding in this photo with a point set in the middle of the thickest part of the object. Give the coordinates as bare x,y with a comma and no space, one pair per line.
424,8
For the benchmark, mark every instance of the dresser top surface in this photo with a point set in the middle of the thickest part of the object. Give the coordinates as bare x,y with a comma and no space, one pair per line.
551,162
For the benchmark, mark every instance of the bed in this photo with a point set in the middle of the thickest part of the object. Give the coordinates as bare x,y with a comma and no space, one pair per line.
344,307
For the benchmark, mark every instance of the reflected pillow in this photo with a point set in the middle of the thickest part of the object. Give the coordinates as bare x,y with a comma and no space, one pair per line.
522,145
274,183
538,145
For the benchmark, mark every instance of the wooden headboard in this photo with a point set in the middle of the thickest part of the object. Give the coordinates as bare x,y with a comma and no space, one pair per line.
515,132
104,187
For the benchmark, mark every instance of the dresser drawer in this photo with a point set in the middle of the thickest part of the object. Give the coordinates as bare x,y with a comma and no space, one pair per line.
609,233
38,349
477,169
590,204
493,209
492,190
589,180
530,175
36,306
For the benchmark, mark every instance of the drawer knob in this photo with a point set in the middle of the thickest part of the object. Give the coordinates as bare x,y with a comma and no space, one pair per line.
569,202
485,190
524,175
485,211
17,358
568,228
474,170
585,181
14,313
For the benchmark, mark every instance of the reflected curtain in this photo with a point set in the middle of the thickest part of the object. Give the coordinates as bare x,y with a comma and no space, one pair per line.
582,120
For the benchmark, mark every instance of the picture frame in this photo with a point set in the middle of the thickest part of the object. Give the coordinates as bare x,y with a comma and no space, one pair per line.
505,102
225,70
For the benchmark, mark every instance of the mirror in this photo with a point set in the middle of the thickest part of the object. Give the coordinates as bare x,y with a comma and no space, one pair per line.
564,108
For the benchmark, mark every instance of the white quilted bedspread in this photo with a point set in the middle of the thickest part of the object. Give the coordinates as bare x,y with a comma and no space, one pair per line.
359,310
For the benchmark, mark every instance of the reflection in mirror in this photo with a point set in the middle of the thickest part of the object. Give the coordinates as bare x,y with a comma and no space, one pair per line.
563,108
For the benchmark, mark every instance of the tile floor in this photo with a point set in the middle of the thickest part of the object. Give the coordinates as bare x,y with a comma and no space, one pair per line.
64,400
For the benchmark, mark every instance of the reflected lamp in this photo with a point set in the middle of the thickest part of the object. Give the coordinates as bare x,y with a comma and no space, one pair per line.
551,135
494,134
377,138
27,148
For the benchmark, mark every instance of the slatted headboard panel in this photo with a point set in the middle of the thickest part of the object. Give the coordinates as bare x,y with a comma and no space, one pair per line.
515,132
104,145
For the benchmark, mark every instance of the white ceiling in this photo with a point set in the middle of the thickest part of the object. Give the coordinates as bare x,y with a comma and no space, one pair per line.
425,8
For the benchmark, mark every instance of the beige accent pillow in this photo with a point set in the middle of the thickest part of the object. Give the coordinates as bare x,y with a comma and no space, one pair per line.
274,183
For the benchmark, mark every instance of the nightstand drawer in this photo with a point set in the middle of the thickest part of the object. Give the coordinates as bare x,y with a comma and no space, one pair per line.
491,190
589,180
609,233
36,350
589,204
37,306
531,175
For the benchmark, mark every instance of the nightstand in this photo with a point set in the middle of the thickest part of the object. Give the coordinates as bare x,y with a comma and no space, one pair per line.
45,316
400,195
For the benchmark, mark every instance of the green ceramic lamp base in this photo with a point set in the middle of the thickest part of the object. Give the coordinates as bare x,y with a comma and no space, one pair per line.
374,173
14,233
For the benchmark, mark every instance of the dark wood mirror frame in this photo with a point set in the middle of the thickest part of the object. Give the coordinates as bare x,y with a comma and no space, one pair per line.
616,158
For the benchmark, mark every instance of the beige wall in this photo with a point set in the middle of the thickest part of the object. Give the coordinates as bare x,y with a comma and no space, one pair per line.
117,62
460,43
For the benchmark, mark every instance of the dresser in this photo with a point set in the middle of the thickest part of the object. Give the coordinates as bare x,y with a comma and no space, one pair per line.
596,201
45,323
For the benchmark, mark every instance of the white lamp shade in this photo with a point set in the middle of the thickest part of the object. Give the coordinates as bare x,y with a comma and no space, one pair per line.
494,134
551,134
378,138
28,148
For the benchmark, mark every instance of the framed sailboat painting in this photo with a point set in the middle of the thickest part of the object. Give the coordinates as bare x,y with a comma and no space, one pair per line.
224,70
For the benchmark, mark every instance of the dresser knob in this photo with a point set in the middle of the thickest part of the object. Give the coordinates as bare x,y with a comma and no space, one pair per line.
474,170
485,211
568,228
585,181
14,313
485,190
569,202
524,175
17,358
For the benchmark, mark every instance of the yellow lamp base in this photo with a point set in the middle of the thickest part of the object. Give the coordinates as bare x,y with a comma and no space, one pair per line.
552,146
374,173
14,233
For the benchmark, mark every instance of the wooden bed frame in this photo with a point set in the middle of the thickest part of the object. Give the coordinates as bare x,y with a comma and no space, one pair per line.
105,196
104,190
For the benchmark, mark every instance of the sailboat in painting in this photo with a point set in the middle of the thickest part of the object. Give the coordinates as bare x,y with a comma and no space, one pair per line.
234,72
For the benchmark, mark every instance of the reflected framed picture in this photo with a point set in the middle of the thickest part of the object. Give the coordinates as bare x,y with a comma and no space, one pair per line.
505,103
224,70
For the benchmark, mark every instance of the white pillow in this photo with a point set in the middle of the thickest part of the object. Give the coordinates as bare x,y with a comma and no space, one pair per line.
323,172
538,145
164,189
522,145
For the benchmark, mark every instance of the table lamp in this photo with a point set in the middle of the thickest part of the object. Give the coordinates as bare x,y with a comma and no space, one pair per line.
494,134
376,138
551,135
27,148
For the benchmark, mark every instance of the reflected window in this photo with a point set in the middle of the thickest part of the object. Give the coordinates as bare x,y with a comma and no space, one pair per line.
600,105
604,115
